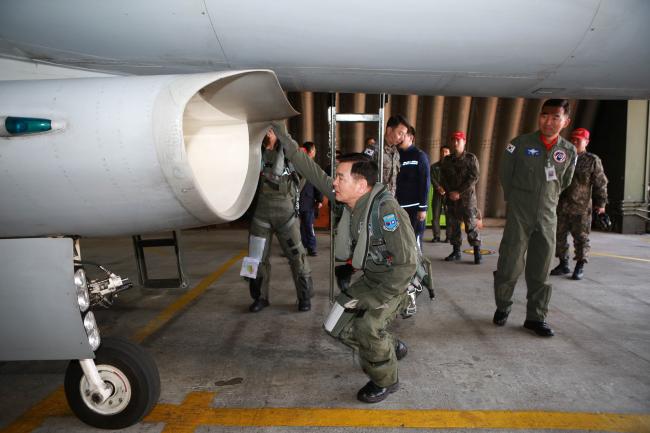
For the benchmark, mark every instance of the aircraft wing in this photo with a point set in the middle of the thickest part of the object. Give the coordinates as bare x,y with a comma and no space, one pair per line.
507,48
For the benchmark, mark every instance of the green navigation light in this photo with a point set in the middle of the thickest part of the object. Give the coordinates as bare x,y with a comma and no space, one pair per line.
26,125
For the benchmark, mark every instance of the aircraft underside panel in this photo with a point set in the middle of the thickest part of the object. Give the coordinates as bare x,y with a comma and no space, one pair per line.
134,154
39,314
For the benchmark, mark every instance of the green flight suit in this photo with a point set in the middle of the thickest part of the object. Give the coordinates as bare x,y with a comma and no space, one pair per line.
381,290
438,203
275,213
531,218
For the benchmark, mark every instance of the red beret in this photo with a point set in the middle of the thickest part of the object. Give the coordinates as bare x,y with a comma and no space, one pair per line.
459,135
580,133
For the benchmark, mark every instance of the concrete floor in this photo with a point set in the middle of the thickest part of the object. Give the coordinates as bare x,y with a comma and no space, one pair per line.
252,367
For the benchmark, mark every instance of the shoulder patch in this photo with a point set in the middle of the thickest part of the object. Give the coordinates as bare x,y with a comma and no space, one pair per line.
510,148
559,156
390,222
369,152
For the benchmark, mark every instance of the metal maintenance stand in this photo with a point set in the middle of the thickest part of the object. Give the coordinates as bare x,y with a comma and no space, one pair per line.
333,118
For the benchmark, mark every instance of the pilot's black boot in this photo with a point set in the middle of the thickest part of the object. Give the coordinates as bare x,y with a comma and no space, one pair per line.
477,255
562,268
372,393
255,287
578,272
455,255
258,304
305,290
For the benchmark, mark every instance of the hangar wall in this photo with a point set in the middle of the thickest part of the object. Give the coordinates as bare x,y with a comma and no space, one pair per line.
490,124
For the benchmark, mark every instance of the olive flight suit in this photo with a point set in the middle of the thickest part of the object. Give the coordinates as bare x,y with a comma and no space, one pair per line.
276,213
438,203
388,269
532,179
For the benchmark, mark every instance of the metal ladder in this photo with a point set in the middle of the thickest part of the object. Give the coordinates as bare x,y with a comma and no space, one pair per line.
333,118
140,244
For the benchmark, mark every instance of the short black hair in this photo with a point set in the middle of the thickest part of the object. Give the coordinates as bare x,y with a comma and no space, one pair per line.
362,167
445,147
396,120
411,131
308,146
562,103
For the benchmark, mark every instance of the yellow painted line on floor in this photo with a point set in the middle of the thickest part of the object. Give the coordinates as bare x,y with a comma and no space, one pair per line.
53,405
619,257
56,404
168,313
195,411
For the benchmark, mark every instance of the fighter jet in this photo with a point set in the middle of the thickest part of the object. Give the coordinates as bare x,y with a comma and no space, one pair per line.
130,117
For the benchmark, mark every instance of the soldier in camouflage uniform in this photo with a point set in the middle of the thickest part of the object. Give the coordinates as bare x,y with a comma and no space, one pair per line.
438,205
536,168
459,173
396,129
276,212
575,207
388,262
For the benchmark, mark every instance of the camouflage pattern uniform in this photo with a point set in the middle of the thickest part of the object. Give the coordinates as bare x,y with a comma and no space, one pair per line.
575,206
391,165
460,173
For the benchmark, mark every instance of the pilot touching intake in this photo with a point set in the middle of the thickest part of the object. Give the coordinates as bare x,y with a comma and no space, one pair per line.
276,212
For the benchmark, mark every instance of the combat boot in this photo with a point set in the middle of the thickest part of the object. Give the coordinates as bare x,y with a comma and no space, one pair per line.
578,272
258,304
372,393
477,256
304,293
562,268
255,287
455,255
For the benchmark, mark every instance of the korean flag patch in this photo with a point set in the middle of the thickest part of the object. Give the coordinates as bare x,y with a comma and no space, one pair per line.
559,156
390,222
510,148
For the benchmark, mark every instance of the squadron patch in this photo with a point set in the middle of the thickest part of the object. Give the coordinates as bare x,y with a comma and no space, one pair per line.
531,151
559,156
390,222
510,148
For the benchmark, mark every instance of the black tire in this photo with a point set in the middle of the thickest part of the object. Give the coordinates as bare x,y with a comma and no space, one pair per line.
140,378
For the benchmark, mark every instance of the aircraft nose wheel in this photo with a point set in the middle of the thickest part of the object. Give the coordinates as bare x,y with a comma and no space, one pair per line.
132,376
120,391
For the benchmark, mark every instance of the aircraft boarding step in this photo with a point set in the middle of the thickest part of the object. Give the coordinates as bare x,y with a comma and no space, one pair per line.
139,244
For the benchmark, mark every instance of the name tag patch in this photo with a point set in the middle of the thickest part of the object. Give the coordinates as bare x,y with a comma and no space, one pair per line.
390,222
510,148
559,156
531,151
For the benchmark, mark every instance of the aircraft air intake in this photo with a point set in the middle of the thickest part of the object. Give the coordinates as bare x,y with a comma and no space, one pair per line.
137,154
